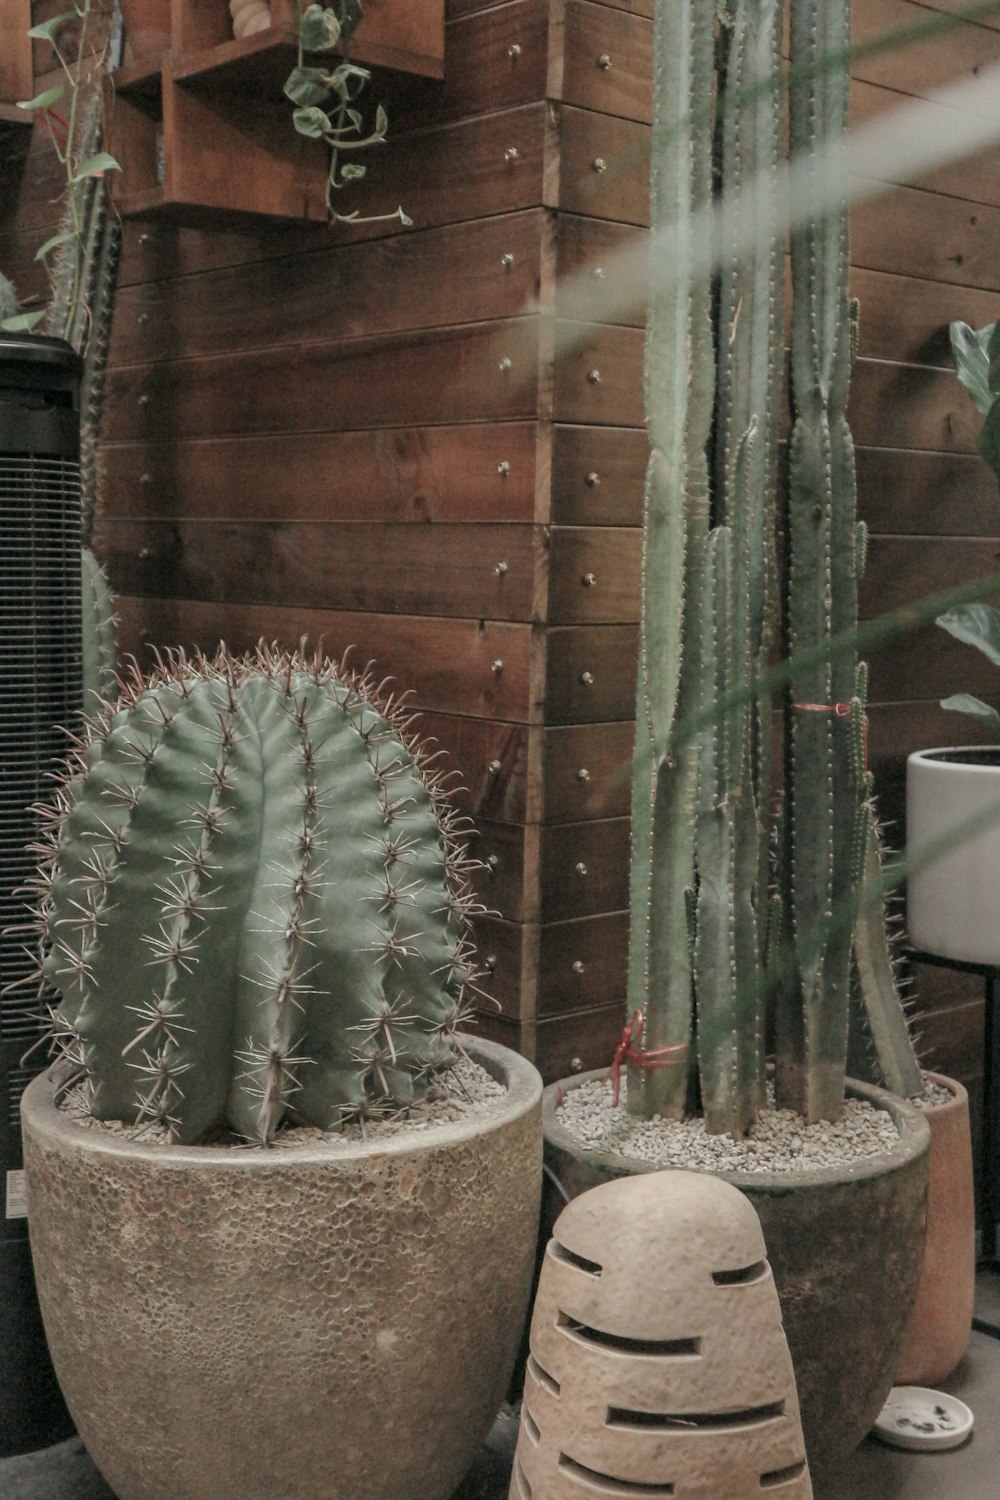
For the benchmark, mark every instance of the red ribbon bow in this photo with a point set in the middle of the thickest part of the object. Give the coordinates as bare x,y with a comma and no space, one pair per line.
628,1050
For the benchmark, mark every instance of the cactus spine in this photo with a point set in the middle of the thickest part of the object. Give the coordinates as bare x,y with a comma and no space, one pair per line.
711,615
265,831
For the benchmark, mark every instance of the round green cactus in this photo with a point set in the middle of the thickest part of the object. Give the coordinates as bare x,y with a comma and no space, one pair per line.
254,901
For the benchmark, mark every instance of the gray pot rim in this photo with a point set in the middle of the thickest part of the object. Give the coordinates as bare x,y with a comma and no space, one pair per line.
911,1122
61,1131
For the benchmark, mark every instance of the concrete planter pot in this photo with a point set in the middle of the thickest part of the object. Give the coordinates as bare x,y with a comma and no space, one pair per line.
939,1325
233,1324
845,1249
951,900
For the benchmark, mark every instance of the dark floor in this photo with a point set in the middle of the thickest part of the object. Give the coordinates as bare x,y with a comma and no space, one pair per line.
875,1472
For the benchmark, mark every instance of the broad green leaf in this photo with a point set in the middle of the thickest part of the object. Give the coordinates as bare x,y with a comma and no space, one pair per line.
96,166
972,361
320,29
42,100
988,441
311,122
977,625
964,703
22,322
306,86
45,31
54,243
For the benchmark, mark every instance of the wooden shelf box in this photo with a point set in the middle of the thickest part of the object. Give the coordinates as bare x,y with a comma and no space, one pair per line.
208,130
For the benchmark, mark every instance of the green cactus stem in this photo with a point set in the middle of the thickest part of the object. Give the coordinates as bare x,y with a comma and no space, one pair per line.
255,902
100,653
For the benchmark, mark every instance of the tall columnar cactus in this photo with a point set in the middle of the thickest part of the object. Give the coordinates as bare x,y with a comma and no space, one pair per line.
254,902
709,914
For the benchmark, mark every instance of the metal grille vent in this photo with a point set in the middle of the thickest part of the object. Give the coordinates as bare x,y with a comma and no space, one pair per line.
40,660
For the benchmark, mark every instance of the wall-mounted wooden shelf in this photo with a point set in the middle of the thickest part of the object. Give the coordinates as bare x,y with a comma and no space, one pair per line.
206,129
16,74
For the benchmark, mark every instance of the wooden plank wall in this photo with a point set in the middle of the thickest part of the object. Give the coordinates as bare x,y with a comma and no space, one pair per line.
430,444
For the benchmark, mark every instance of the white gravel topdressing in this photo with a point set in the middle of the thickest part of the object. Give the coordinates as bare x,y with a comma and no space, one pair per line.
464,1092
779,1141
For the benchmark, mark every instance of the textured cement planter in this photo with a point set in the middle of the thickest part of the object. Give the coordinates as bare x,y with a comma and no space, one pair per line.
941,1321
951,900
287,1325
845,1249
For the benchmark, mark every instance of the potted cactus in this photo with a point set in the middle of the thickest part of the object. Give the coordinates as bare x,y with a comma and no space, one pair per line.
749,913
252,909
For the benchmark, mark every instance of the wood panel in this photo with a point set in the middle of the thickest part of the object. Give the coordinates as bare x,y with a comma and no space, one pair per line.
915,233
927,494
447,664
922,67
491,572
909,406
580,1040
462,375
493,59
902,570
598,475
603,166
974,175
593,574
928,663
600,271
475,472
565,965
394,284
906,319
584,869
511,792
586,772
598,375
591,672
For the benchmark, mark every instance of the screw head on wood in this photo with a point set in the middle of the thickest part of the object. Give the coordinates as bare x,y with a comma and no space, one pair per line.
604,61
497,667
580,868
490,962
506,365
587,679
576,1064
593,480
598,164
492,863
583,775
494,768
501,568
594,376
145,478
511,154
578,966
588,580
503,467
514,50
507,260
598,273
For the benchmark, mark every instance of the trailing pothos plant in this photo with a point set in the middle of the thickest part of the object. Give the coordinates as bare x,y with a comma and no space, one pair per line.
977,360
72,117
326,100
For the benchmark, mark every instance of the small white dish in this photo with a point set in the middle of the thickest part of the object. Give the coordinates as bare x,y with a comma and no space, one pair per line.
924,1420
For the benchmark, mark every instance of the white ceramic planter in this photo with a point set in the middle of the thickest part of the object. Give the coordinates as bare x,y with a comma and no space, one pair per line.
953,901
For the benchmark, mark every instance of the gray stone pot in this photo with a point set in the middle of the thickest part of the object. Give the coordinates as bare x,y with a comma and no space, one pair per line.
232,1324
845,1247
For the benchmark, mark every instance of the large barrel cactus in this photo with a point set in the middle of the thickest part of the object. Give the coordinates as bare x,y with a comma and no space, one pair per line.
254,901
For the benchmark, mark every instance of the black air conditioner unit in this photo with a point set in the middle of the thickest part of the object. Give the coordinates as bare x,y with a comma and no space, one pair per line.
40,697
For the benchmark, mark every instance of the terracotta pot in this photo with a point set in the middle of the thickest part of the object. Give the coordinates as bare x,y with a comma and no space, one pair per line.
938,1330
147,29
844,1245
255,1324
